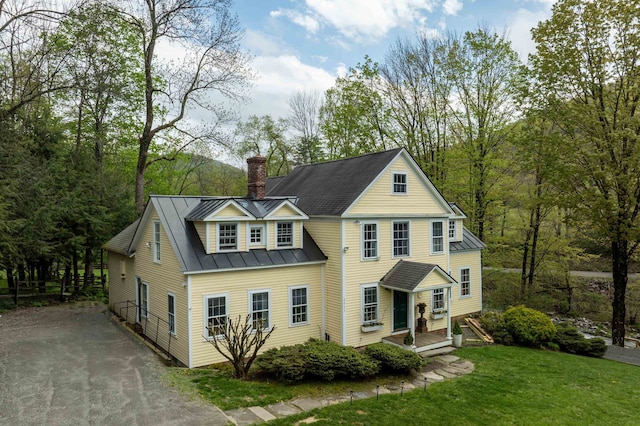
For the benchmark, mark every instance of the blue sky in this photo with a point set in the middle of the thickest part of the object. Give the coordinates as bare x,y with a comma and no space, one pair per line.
305,44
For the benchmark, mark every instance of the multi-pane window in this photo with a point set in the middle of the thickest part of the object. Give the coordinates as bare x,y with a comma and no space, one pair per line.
216,315
437,299
256,235
452,229
171,309
369,241
399,183
465,282
284,234
400,239
228,236
369,304
299,305
259,304
437,237
144,299
156,242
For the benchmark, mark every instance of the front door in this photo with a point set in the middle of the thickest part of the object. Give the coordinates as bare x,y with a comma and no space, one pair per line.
399,310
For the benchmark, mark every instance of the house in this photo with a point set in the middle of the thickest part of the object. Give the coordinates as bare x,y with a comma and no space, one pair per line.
355,251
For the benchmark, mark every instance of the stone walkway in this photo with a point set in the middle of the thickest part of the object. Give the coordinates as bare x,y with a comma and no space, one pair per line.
440,368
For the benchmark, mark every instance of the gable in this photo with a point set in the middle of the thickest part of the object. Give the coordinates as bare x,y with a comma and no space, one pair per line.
435,279
420,198
231,210
287,210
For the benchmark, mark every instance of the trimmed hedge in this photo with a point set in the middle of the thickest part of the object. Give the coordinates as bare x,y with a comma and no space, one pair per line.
571,341
528,326
393,358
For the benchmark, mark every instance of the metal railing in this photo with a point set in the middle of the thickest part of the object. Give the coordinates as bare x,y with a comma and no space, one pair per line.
146,324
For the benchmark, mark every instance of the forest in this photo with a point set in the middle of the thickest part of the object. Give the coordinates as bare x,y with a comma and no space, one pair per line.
541,155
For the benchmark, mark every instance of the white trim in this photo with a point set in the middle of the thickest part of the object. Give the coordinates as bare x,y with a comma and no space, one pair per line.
250,294
205,311
460,269
343,284
431,236
393,255
393,182
362,249
175,314
455,230
362,302
444,304
263,231
323,329
301,234
223,206
308,305
287,202
210,271
207,231
189,323
237,248
293,235
157,245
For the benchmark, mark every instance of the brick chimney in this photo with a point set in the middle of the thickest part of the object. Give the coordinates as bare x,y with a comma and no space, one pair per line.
257,177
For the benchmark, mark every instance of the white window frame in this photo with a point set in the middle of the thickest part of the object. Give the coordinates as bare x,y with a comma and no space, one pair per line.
261,228
205,312
363,241
292,307
364,316
433,237
144,299
464,282
265,326
393,238
452,229
156,242
437,300
171,313
293,234
404,184
237,245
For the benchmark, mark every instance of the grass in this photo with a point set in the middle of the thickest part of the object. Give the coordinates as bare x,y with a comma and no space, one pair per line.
510,385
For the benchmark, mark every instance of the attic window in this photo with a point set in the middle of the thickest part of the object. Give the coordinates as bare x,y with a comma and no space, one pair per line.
284,236
399,183
227,236
452,229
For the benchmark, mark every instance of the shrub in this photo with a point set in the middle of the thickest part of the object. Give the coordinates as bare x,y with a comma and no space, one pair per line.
528,326
456,328
316,359
493,323
393,358
569,339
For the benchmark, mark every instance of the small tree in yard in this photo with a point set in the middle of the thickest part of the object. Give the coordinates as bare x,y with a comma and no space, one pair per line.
239,342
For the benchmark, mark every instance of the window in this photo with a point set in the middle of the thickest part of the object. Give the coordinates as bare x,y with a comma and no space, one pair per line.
256,235
299,305
369,304
143,299
171,309
215,308
399,183
400,239
437,299
465,282
284,234
370,241
259,309
227,236
437,238
156,242
452,229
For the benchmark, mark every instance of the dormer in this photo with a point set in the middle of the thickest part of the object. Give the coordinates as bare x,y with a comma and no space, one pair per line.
456,223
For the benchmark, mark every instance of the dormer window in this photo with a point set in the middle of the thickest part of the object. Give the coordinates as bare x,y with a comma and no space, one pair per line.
284,234
256,235
399,183
452,229
227,236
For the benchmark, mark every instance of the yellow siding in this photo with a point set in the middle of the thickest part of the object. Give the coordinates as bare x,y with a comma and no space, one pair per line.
121,289
237,284
433,279
285,211
378,199
162,278
230,211
201,229
467,305
326,233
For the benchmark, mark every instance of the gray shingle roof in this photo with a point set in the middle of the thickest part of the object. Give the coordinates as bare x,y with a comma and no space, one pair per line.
332,187
469,242
407,275
258,208
120,243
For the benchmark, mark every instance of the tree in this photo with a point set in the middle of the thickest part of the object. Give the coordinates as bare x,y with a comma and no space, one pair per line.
305,120
213,63
239,342
266,137
586,66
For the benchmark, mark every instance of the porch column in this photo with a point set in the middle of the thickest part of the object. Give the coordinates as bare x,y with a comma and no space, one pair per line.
449,313
412,315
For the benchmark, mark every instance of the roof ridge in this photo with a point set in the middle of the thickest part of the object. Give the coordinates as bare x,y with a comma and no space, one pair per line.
386,151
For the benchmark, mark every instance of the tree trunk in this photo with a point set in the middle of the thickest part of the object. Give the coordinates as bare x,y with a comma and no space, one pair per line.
620,258
10,281
76,275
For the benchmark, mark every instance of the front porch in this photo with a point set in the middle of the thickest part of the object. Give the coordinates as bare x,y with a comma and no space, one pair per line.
421,341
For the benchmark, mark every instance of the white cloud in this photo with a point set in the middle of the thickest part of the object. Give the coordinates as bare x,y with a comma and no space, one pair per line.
451,7
519,29
369,20
307,22
262,44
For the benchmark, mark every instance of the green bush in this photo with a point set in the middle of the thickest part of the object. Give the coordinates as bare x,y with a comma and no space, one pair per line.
456,328
316,359
569,339
528,326
393,358
493,323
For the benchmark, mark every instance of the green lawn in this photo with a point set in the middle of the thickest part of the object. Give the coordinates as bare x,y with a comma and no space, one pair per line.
510,385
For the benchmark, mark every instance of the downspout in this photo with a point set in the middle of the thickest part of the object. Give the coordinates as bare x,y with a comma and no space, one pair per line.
343,285
449,313
323,328
189,321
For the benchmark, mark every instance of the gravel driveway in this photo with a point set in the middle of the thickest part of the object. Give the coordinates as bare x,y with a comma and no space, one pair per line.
72,365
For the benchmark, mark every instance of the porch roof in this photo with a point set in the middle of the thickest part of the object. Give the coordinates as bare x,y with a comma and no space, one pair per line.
414,277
